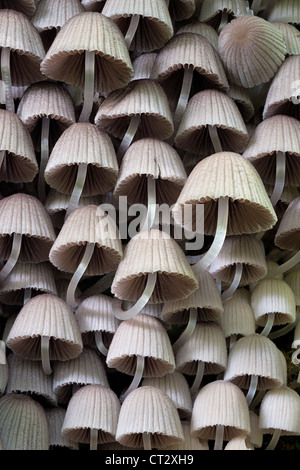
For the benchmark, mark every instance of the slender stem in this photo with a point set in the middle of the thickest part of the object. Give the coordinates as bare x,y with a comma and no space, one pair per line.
129,135
138,375
93,439
219,437
295,358
198,379
257,399
184,96
147,441
252,389
274,441
100,286
269,324
235,283
282,268
221,230
88,253
280,177
2,352
224,21
45,355
99,343
187,333
232,341
133,26
215,139
151,204
286,329
2,155
27,295
6,77
78,188
255,6
139,305
13,257
44,157
89,87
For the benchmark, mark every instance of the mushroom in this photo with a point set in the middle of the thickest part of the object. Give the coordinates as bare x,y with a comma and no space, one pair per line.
55,418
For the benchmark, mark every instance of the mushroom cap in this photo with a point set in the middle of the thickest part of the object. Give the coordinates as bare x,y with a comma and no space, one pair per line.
285,10
256,354
244,249
279,133
243,100
95,313
149,252
82,142
293,280
283,93
23,423
150,158
204,29
25,44
19,164
143,64
190,442
92,32
149,409
211,108
24,214
251,50
181,9
28,7
220,403
273,296
238,317
155,25
45,315
228,174
287,235
290,35
144,98
211,10
87,224
92,407
55,14
142,335
55,418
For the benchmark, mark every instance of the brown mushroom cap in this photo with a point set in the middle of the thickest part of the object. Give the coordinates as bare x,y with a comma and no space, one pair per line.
54,15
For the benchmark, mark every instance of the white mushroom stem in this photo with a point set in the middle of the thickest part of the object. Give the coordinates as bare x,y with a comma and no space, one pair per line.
252,389
280,177
133,26
219,437
274,441
151,204
93,439
2,352
215,139
286,329
45,355
198,379
138,375
187,333
6,77
13,257
44,157
220,235
269,324
255,6
184,96
147,441
232,341
224,21
89,86
129,135
88,253
27,295
2,155
78,188
235,283
282,268
99,343
139,305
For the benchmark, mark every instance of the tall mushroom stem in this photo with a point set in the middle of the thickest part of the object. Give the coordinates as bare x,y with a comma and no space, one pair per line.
184,96
138,375
220,234
133,26
274,441
280,177
252,389
198,379
255,6
269,324
147,441
215,139
2,156
6,77
89,86
44,157
187,333
45,355
235,283
286,329
151,204
139,305
27,295
13,257
129,136
78,188
2,352
93,439
86,258
99,343
282,268
219,437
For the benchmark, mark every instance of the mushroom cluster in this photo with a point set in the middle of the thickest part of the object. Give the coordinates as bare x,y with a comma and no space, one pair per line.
150,225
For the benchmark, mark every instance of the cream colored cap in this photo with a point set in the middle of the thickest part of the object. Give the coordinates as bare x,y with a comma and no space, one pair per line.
204,29
92,407
238,318
211,10
55,14
290,35
285,10
149,410
239,443
190,442
142,335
